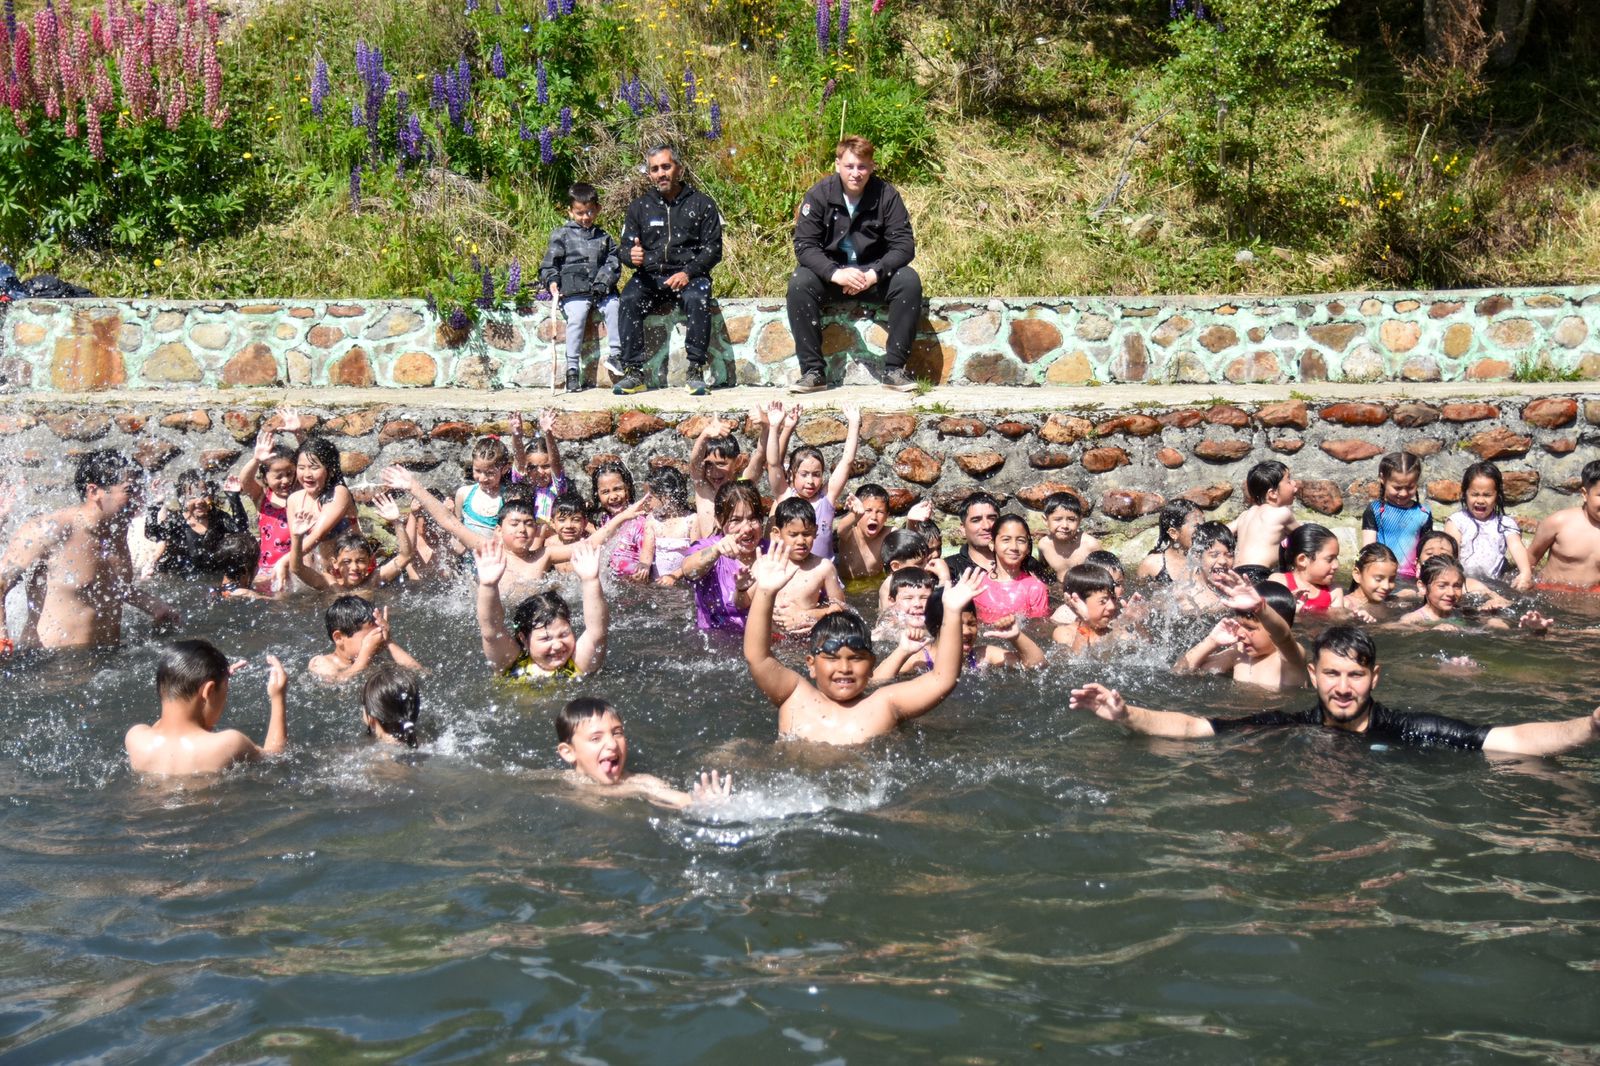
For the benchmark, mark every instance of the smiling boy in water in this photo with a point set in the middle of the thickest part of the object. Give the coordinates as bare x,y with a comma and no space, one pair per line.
192,683
833,706
591,740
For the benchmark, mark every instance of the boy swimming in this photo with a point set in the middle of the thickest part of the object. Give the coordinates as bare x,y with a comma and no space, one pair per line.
192,683
591,740
1571,539
358,634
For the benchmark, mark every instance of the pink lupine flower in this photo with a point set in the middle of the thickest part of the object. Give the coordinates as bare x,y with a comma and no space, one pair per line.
96,141
213,81
176,103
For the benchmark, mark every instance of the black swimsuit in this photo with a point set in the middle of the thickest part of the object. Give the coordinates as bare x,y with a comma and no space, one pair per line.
1384,726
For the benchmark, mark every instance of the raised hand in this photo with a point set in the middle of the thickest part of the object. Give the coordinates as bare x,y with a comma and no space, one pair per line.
263,449
398,478
1236,593
231,483
1533,621
1105,702
516,423
921,511
963,592
547,420
586,562
711,789
857,508
491,560
387,509
757,415
1227,634
775,413
290,419
913,639
644,503
791,417
277,677
852,415
636,253
300,523
773,568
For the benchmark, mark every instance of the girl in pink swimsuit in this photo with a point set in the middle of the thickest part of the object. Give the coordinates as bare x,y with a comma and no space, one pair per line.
1012,591
268,477
1309,559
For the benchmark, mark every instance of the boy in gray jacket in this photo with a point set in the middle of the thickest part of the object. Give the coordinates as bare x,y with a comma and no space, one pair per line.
581,269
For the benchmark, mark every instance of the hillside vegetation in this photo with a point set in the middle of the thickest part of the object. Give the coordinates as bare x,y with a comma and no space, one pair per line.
422,147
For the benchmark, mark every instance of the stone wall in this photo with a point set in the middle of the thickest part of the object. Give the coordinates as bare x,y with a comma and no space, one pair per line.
76,346
1124,463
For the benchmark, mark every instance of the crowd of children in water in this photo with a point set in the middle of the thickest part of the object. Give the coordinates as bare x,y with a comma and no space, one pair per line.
1003,598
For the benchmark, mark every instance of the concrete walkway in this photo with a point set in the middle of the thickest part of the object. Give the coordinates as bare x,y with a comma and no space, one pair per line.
969,398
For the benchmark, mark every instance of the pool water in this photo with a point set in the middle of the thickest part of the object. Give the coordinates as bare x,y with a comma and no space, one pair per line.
1004,880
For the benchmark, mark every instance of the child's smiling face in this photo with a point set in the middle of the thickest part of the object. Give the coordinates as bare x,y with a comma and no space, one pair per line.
598,749
1063,523
1377,579
311,474
612,492
279,476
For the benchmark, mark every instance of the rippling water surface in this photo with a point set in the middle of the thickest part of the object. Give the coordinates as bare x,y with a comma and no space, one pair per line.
1005,880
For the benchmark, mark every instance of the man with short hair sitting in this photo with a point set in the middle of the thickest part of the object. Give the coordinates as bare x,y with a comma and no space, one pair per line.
853,240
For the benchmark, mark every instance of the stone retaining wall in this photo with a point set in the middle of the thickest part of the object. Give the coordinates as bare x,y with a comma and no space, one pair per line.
85,345
1124,463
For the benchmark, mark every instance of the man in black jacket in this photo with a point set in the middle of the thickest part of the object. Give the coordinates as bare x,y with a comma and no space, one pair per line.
673,237
853,239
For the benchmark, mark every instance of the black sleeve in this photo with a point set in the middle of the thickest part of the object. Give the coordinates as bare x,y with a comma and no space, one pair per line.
808,251
1369,518
633,227
1263,720
233,518
154,528
710,253
1429,730
610,272
554,254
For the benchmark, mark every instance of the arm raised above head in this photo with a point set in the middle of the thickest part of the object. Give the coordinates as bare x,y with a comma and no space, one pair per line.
770,572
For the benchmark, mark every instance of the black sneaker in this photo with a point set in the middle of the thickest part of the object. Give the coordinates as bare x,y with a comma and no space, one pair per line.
811,382
898,381
632,382
701,379
574,381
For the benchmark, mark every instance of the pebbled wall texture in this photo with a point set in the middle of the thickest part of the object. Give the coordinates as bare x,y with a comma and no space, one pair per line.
1488,335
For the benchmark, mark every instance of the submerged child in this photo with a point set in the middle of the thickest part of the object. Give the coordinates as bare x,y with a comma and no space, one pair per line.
391,701
541,643
540,469
815,590
268,477
1012,592
1268,517
323,494
1373,580
1255,644
590,739
1092,605
1168,561
714,462
1443,584
670,531
1009,646
353,568
192,533
719,566
1397,519
910,589
1066,544
192,684
358,634
861,534
833,705
1308,563
518,530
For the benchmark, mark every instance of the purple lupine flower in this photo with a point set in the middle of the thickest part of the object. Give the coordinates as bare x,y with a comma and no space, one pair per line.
464,78
715,132
11,18
458,319
523,133
497,7
472,5
547,153
469,129
497,62
355,187
565,7
486,301
663,105
455,98
356,119
550,8
824,25
513,279
437,101
566,121
844,21
319,86
689,88
541,83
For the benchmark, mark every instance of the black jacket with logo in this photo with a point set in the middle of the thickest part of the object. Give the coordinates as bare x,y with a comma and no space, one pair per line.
685,234
880,230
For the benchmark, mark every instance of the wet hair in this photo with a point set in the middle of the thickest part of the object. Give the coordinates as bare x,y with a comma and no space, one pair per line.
581,193
194,483
873,491
279,453
579,711
1373,553
933,620
1262,479
1440,534
1085,579
927,529
1589,476
1279,598
734,493
347,615
520,504
1208,533
975,499
236,557
186,665
841,625
327,456
912,577
537,611
1307,540
806,451
1439,564
1009,519
392,698
601,471
1170,521
1347,642
354,540
492,450
793,509
724,447
1253,573
1105,559
105,467
904,546
569,503
1062,501
671,486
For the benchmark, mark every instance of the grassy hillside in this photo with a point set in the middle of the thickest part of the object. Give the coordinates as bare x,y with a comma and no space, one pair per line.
1007,125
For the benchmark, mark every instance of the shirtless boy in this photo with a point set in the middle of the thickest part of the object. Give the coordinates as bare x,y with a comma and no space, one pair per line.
1270,492
815,590
591,741
860,535
1065,544
1571,537
1255,643
192,683
1344,672
77,564
359,634
833,706
520,533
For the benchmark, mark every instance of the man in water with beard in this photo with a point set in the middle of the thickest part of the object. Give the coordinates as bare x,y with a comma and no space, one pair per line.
1344,672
